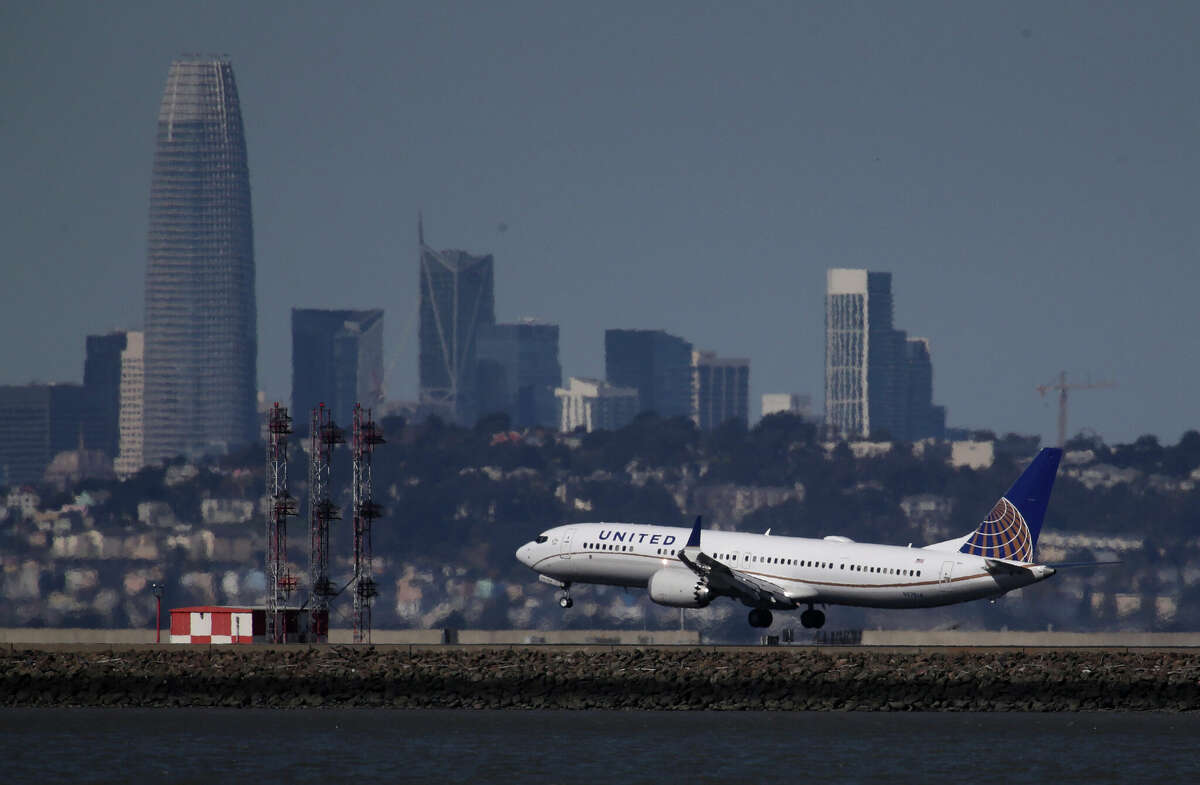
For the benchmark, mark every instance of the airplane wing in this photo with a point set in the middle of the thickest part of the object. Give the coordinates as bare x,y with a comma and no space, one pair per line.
724,580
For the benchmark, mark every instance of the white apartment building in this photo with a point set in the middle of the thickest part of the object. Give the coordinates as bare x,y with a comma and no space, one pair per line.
130,420
595,405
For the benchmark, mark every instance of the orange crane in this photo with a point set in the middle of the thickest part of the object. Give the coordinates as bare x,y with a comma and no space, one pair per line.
1062,386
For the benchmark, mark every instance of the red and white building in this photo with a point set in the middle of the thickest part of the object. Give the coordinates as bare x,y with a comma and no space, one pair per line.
215,624
223,624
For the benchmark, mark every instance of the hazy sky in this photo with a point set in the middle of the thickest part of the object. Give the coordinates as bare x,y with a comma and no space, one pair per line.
1027,170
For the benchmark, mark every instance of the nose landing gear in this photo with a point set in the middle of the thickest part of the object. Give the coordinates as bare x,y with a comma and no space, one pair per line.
565,600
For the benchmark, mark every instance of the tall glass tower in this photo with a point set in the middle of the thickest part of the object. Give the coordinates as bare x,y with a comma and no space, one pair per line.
457,302
200,322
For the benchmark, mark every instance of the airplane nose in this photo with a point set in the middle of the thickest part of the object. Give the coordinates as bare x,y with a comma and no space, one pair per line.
525,554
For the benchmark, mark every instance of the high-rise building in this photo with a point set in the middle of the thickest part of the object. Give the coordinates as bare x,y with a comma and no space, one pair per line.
874,381
924,419
37,421
200,320
102,391
130,456
655,363
457,302
720,390
519,371
595,405
337,360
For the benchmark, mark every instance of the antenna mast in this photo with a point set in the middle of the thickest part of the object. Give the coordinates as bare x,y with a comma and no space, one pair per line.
323,436
366,436
280,581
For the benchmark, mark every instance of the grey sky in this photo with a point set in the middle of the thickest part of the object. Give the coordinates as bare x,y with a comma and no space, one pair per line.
1027,170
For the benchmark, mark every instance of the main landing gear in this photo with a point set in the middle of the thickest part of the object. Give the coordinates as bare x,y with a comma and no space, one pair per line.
812,619
760,617
565,600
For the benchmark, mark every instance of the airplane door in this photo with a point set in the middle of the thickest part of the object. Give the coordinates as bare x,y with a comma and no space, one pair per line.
565,547
944,578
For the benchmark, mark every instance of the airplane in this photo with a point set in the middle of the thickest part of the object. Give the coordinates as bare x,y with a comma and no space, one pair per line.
689,569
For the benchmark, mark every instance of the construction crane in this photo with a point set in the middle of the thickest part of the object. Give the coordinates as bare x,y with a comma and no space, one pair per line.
1063,386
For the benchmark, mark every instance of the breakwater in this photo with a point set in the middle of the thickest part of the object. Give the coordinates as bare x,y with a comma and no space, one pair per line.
627,678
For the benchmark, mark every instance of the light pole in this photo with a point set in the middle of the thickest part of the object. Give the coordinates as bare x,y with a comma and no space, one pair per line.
157,589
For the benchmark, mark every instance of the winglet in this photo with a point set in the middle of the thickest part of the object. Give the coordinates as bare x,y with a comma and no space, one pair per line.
694,539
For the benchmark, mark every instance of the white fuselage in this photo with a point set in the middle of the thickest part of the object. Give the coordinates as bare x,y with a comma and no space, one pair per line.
832,571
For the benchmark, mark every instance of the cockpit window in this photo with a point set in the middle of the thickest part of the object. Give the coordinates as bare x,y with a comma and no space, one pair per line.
541,538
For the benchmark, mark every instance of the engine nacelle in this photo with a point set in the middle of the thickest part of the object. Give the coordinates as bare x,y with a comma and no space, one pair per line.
678,589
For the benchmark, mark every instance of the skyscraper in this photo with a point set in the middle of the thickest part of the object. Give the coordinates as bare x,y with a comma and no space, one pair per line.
200,321
877,380
102,391
720,390
130,421
457,301
656,363
37,421
337,359
924,419
519,371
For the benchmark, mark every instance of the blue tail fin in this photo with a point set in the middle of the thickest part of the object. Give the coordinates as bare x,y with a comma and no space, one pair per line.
1011,529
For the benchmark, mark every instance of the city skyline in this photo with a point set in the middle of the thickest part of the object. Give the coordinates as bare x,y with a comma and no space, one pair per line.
1025,172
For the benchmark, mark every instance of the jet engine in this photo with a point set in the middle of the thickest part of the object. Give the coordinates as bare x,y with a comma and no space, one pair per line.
678,589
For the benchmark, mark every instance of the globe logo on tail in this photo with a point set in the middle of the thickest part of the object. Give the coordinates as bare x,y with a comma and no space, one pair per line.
1002,535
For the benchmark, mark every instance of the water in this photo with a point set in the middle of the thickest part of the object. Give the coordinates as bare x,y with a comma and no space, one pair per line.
327,746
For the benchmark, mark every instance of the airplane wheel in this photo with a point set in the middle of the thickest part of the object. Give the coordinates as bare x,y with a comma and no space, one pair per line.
566,602
818,619
808,619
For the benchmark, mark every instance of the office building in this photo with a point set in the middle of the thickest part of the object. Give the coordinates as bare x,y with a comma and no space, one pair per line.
925,421
519,372
37,421
457,303
200,318
595,405
789,403
720,390
130,456
878,383
337,360
102,391
656,364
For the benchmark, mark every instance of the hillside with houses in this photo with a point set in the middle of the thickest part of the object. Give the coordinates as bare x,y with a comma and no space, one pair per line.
459,502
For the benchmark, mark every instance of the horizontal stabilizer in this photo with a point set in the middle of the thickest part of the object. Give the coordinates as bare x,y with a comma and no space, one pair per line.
995,566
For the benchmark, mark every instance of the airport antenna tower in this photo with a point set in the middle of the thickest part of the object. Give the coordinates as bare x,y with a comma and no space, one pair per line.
324,436
280,581
366,436
1063,386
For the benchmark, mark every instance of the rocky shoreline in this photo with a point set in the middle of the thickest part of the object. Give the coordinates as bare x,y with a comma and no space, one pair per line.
673,678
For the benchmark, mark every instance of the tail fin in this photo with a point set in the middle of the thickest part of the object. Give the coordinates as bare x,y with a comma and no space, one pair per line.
1011,529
